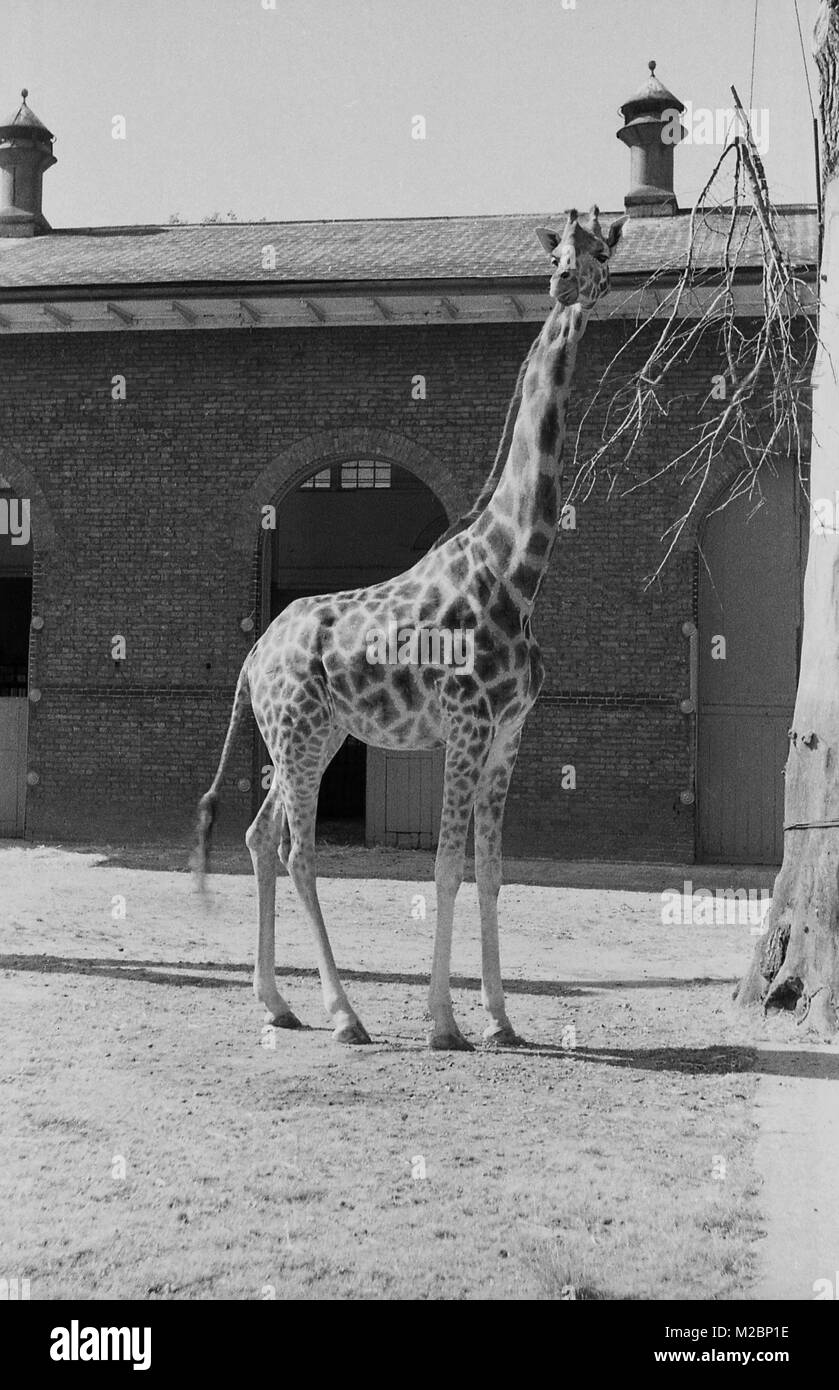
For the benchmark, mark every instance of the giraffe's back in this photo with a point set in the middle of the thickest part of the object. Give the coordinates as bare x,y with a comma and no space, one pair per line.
396,662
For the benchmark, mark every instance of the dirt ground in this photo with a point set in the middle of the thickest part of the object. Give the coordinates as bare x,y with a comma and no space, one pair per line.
158,1143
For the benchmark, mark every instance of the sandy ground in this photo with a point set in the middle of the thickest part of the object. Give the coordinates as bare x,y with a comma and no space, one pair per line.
797,1110
157,1143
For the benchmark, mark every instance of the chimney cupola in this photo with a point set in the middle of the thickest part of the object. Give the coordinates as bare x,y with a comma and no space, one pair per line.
652,129
25,155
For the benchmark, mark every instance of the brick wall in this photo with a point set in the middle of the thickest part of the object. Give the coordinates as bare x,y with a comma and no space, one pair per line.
149,500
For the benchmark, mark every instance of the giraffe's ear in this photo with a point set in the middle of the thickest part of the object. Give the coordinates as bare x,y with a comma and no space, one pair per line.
615,232
549,239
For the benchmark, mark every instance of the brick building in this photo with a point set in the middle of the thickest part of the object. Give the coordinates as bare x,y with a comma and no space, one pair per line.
165,387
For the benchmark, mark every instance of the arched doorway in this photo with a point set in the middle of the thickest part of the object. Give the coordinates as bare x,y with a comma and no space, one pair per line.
15,621
751,567
352,522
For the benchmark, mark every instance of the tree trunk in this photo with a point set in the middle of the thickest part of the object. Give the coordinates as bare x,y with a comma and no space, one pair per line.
796,961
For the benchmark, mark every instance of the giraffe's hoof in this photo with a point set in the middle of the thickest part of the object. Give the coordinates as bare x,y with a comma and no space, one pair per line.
449,1042
504,1036
352,1033
283,1020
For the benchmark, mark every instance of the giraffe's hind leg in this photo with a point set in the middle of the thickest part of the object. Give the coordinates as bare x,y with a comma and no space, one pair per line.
262,839
301,806
303,744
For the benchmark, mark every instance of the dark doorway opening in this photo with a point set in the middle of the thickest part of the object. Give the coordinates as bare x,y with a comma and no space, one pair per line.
15,620
350,523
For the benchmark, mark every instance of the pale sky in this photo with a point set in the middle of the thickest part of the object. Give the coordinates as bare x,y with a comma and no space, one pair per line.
305,111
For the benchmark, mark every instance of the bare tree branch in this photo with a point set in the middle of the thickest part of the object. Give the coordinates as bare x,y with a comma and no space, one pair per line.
764,375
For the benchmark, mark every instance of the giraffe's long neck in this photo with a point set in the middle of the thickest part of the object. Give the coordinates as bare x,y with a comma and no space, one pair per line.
519,522
494,476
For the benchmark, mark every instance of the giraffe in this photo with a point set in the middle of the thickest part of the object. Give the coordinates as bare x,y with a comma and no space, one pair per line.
328,666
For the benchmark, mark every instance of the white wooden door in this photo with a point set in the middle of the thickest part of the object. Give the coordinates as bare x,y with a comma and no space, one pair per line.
750,600
14,714
404,797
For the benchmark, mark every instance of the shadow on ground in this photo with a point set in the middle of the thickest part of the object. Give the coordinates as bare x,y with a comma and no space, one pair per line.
163,973
721,1060
337,860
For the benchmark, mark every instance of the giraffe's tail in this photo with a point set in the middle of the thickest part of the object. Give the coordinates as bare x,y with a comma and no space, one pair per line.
208,804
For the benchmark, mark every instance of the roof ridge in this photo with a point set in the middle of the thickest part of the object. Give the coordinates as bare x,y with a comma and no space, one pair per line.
782,208
311,222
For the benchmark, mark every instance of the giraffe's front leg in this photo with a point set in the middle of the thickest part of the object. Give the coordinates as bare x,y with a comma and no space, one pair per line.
461,775
445,1034
489,814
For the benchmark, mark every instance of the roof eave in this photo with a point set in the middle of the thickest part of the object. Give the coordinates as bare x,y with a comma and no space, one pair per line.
254,289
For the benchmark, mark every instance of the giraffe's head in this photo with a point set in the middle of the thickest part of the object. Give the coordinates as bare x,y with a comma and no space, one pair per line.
580,257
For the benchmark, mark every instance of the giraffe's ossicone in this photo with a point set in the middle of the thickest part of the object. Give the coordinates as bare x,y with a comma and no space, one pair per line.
442,655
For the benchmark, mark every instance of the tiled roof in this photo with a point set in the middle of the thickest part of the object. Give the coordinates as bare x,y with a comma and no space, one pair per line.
411,249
